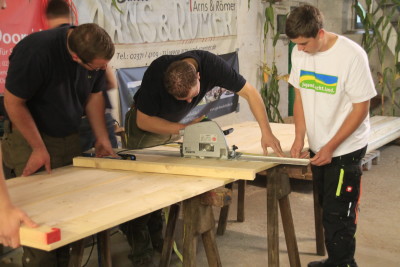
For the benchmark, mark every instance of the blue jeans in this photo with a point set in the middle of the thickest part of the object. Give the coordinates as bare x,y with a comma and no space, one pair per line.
87,137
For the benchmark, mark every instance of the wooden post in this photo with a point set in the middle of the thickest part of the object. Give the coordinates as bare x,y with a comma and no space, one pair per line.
287,219
240,205
169,235
278,189
104,248
223,216
199,219
77,248
272,218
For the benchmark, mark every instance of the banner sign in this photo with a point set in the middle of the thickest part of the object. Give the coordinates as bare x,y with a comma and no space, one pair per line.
215,103
146,29
127,56
20,18
150,21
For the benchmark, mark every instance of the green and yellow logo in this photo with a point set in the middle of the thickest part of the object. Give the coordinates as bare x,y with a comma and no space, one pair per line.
318,82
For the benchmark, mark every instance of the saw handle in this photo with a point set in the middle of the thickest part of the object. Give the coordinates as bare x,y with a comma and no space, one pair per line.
228,131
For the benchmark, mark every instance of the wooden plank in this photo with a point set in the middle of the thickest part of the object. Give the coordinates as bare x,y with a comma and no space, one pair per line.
383,131
215,168
87,208
42,235
247,137
370,158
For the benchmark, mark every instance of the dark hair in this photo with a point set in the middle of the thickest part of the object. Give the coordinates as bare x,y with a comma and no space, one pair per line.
304,21
179,78
90,41
57,8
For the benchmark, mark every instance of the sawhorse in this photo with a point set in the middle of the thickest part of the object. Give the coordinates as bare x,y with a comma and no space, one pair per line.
198,219
278,190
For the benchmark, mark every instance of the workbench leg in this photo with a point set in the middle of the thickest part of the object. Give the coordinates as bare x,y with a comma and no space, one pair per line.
272,218
288,228
104,248
169,235
198,219
210,246
223,216
319,230
77,248
240,205
278,188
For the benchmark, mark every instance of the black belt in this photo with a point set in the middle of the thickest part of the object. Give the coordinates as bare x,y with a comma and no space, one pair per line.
350,158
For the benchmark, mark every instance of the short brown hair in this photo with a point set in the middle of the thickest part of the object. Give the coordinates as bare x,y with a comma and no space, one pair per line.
179,78
90,41
304,21
57,9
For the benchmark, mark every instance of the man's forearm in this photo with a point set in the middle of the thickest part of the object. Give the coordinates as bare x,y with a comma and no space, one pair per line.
95,109
298,115
157,125
257,107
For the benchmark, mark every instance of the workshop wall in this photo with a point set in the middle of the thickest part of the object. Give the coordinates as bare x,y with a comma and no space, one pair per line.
181,25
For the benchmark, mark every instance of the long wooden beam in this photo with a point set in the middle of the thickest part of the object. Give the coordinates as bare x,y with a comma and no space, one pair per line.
214,168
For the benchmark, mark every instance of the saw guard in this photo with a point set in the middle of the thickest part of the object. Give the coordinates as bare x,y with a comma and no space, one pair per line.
204,140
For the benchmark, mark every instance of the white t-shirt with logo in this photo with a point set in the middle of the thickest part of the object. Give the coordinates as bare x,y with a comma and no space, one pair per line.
329,82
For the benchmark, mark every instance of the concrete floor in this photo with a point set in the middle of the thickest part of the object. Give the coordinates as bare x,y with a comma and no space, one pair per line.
245,244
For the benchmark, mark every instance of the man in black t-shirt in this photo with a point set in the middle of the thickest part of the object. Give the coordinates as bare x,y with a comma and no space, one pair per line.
59,14
171,87
53,77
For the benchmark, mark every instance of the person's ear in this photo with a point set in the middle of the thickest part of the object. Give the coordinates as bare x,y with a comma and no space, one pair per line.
75,57
198,75
321,34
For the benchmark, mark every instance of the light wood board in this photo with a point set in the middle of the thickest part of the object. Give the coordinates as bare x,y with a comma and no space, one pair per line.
384,130
215,168
84,201
247,135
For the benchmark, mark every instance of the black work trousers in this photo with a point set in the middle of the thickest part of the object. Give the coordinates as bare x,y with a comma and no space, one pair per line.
339,190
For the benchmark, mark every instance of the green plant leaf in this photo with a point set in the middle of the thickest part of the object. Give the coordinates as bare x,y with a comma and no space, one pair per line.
360,12
114,4
387,72
397,48
379,22
276,38
396,2
369,19
388,35
270,15
266,29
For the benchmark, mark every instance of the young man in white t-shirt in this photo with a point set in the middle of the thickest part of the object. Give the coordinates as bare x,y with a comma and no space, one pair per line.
333,86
